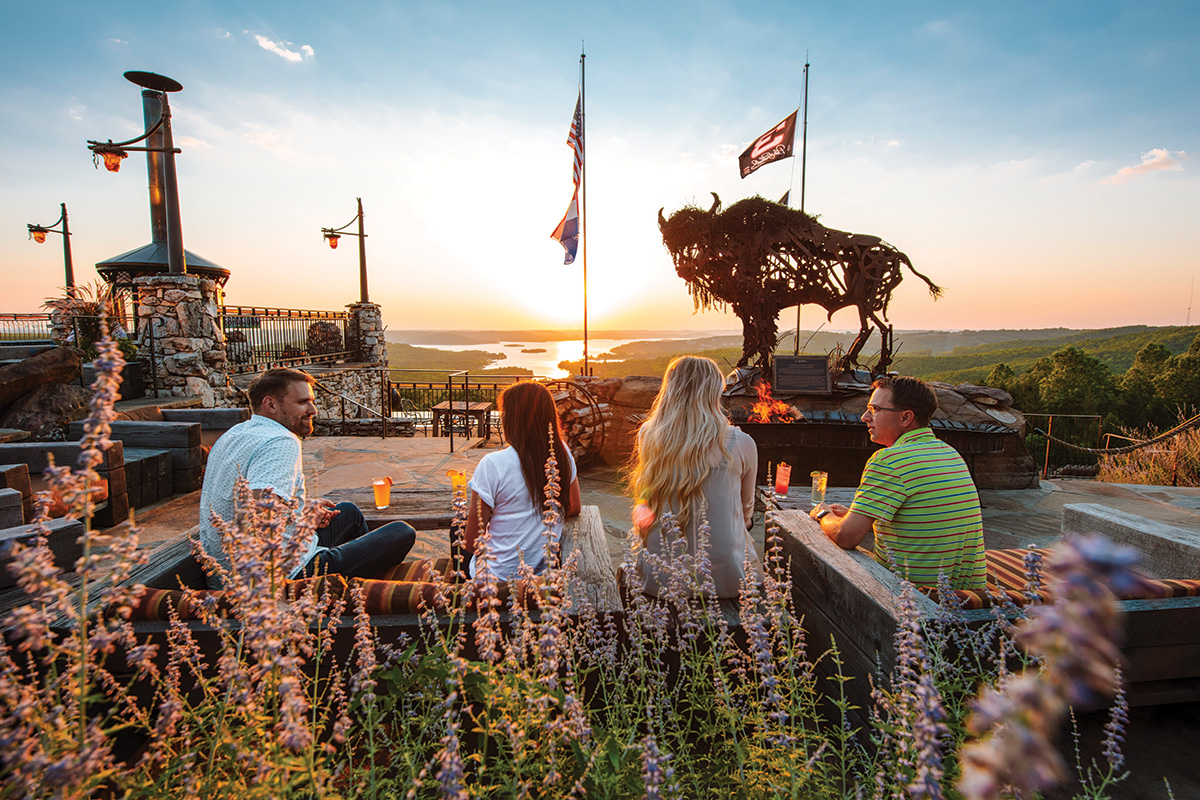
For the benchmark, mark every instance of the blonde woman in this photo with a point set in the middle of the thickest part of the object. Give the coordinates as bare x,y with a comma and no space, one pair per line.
688,460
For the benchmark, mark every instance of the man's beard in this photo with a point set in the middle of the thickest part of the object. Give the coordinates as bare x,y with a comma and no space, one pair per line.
303,427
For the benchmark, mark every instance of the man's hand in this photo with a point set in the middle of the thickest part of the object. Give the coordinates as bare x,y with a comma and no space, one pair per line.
326,512
840,526
837,509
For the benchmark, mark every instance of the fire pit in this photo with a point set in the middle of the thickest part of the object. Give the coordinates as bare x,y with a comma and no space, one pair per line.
837,441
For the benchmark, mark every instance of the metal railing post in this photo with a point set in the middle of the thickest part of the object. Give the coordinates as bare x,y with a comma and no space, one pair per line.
450,399
385,401
1049,430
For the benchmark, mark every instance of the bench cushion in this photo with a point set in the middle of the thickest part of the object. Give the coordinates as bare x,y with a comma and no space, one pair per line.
404,589
156,604
1006,582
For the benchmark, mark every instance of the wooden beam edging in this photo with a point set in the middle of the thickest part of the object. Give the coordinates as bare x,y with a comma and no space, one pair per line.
846,596
596,579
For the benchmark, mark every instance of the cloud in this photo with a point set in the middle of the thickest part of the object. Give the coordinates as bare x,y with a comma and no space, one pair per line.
279,143
1154,161
281,49
118,41
192,141
223,34
938,28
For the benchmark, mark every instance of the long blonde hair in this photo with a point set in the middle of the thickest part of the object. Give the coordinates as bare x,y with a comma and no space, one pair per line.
682,440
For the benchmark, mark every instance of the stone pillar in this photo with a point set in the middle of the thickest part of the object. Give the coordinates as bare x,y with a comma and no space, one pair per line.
60,327
364,334
180,342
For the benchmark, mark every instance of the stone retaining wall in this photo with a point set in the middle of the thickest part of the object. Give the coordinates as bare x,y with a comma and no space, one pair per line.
358,383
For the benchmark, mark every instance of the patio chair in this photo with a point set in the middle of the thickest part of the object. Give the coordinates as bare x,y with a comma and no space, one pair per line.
406,411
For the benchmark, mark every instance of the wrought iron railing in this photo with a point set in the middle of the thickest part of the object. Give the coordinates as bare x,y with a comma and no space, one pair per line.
260,338
16,328
415,399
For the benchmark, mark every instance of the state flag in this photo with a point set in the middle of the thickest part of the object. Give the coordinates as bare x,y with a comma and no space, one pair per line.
567,232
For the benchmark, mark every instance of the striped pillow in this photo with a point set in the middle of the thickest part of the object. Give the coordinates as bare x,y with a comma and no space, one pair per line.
1006,579
153,605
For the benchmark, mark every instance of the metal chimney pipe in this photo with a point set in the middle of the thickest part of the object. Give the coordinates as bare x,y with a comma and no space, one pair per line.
152,112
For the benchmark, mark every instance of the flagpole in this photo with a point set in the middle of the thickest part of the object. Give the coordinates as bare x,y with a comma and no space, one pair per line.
583,202
803,170
804,144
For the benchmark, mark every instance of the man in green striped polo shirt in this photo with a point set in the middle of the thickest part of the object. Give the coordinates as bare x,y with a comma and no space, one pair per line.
916,492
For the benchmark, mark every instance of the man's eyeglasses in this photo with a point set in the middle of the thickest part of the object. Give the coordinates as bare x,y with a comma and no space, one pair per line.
873,410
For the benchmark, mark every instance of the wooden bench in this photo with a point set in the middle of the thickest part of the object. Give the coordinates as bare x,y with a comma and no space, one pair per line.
16,477
62,535
181,440
148,476
213,421
850,597
11,513
33,455
172,565
1167,551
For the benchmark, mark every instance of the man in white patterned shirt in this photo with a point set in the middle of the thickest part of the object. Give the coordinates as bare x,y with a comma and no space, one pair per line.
266,451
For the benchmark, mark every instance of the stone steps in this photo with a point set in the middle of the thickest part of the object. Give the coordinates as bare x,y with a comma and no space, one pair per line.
12,352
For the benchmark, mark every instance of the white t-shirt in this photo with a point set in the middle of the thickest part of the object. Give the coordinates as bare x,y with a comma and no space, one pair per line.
268,455
516,526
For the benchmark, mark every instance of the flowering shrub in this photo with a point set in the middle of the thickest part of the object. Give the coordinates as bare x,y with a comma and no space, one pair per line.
677,697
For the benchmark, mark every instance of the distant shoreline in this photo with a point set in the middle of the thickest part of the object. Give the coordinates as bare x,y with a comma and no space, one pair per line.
482,337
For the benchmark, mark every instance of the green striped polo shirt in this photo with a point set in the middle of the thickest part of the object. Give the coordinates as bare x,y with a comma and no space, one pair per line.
926,511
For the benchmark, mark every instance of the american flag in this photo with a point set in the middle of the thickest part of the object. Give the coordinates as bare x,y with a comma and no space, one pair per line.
575,137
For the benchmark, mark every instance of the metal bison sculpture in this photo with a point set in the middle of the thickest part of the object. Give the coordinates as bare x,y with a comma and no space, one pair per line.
761,257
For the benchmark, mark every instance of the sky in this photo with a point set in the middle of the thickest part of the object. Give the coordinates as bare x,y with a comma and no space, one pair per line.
1037,159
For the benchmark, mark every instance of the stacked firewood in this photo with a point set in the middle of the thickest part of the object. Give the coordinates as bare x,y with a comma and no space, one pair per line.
323,337
582,423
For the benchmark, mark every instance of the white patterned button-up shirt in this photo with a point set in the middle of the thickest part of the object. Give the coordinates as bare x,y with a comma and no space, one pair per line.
268,455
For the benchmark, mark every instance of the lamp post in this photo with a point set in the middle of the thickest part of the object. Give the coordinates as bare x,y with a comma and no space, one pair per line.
157,113
38,234
332,235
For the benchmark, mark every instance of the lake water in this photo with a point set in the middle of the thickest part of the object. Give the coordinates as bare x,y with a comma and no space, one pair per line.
545,364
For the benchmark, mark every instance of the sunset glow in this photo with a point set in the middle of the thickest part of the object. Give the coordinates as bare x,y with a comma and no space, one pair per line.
1034,161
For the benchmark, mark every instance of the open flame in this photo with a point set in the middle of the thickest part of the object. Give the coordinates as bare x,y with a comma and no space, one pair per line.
767,409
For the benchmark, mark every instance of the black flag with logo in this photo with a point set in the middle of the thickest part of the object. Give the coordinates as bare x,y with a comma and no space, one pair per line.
773,145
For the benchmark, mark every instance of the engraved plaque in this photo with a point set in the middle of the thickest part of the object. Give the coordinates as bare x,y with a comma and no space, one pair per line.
802,375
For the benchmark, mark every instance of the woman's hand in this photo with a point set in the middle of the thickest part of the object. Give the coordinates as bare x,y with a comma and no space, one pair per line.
643,516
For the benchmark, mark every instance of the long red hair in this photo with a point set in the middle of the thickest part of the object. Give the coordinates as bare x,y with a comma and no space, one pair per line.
527,415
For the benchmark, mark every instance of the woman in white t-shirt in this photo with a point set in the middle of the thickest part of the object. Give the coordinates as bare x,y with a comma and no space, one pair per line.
508,487
689,461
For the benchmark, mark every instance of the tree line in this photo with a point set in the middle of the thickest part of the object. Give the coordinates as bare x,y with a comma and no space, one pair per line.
1157,390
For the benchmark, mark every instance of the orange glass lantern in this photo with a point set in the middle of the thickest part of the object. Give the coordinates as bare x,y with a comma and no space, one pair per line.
39,235
112,160
333,240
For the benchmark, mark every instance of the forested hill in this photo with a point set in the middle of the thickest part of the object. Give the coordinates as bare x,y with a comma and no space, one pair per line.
953,356
1114,347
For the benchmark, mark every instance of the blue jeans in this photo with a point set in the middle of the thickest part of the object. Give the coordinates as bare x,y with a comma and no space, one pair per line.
356,552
